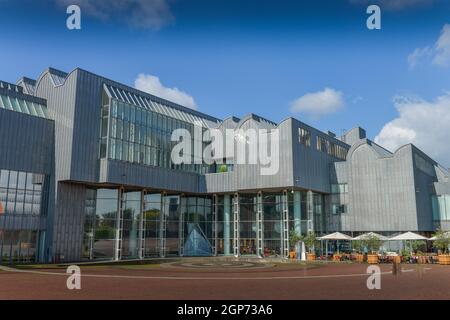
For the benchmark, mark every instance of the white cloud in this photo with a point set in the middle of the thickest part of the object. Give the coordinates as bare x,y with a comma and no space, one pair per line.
394,5
152,84
417,55
442,57
438,54
151,14
318,104
423,123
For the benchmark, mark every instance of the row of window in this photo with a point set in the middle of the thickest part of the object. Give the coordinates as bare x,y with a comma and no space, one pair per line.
23,106
322,144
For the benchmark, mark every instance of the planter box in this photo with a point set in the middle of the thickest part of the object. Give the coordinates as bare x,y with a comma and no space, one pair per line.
421,259
310,257
359,258
337,257
372,258
444,259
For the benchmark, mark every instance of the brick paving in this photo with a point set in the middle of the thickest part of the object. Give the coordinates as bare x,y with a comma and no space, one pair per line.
194,281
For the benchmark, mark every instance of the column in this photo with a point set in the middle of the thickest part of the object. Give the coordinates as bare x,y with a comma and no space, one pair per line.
162,227
285,226
310,210
226,223
183,212
236,229
259,225
141,228
119,226
297,212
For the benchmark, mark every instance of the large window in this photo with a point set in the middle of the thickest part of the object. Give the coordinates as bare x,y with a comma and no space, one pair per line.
247,225
22,193
142,136
198,226
101,209
273,213
441,207
131,224
152,218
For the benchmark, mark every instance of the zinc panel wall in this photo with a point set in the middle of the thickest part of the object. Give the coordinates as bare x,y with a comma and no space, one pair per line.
123,173
26,142
381,192
311,167
69,223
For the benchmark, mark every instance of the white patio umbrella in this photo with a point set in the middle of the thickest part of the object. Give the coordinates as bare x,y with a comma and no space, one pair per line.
408,236
369,235
334,236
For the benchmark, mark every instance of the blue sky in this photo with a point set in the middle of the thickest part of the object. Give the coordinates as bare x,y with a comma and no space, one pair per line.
234,57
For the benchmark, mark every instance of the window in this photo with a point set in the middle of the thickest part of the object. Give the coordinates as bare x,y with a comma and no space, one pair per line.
305,137
339,208
337,151
322,144
339,188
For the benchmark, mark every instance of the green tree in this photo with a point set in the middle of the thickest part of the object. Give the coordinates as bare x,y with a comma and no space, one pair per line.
357,245
309,241
294,238
442,241
418,245
372,243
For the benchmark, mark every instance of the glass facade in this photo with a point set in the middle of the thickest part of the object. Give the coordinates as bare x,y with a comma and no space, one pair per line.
133,134
137,224
22,194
